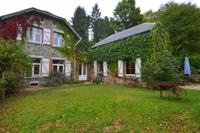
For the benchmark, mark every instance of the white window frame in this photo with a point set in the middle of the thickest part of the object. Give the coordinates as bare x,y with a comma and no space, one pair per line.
58,65
34,35
60,39
128,75
33,64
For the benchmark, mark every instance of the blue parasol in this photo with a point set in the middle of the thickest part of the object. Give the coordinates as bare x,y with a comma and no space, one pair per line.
187,70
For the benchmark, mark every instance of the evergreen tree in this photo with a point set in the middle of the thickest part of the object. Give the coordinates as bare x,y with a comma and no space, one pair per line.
95,15
80,23
102,28
127,14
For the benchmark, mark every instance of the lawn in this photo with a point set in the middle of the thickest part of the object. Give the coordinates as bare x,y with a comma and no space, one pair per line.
99,108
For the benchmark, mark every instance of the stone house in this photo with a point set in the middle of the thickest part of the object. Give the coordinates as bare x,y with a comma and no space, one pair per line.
128,71
42,41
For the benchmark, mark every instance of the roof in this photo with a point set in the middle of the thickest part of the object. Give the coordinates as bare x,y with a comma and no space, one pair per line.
41,12
144,27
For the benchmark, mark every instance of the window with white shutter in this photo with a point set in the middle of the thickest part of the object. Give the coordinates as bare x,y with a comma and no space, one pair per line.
68,68
46,36
105,68
120,68
138,67
45,67
34,35
95,68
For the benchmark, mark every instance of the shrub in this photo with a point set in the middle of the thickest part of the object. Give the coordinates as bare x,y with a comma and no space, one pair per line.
99,78
14,65
163,68
195,64
2,89
55,79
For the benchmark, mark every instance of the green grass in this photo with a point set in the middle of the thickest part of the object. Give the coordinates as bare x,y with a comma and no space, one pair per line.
99,108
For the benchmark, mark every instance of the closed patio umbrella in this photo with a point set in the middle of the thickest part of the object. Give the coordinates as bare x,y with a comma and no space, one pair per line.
187,71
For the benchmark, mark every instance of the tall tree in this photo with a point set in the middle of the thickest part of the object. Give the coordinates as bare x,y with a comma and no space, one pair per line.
102,28
95,15
182,21
127,14
80,23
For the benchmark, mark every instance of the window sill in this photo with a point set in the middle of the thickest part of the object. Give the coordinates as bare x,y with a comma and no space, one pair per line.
130,75
58,46
38,43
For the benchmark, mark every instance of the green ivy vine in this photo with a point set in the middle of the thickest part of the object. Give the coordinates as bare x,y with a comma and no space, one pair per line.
148,46
70,40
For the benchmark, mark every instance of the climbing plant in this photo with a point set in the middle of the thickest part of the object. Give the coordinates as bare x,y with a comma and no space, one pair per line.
152,47
70,41
132,47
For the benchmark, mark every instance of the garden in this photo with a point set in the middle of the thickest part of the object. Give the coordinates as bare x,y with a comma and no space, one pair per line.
99,108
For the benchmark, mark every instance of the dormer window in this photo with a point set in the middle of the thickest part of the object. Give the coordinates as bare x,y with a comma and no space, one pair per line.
34,35
58,40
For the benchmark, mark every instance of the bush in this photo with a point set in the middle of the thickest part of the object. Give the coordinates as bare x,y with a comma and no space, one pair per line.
99,78
195,64
55,79
2,89
14,65
163,68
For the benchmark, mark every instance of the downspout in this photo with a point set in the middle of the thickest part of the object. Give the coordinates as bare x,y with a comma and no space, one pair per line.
74,58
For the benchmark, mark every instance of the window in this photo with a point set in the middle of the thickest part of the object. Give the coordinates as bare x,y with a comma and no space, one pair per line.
58,66
130,67
58,40
100,67
82,69
36,67
34,35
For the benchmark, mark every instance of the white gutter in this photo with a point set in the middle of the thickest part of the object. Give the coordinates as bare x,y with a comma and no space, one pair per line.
78,41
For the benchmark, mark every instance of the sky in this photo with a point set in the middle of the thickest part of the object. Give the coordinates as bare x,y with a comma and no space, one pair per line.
66,8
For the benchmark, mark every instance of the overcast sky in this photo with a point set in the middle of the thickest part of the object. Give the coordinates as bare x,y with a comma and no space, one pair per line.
65,8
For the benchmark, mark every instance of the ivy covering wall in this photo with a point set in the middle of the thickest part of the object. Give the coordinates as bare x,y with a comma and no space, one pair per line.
148,46
143,45
70,40
129,48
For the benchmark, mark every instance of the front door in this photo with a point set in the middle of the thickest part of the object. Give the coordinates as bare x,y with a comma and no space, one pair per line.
82,72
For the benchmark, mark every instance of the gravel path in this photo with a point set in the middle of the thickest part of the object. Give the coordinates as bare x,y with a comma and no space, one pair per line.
192,87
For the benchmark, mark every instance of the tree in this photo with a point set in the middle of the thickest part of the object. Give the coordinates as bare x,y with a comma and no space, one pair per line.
14,65
95,15
80,23
182,21
102,28
150,16
127,15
